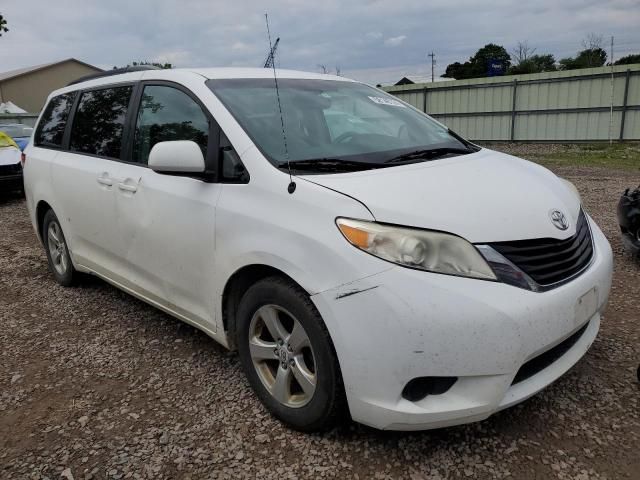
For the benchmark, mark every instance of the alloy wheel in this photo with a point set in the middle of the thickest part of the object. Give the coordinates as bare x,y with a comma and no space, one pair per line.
57,248
282,356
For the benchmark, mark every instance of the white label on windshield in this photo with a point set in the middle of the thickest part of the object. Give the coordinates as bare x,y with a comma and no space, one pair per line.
387,101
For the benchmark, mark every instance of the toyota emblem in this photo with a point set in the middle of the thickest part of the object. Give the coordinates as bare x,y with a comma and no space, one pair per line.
559,219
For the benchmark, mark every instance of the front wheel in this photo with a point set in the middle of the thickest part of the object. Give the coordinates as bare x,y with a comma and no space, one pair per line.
57,251
288,356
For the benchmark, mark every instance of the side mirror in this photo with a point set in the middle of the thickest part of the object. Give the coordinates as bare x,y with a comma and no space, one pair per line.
176,156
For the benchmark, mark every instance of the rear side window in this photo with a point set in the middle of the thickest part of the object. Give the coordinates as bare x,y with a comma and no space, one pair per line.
54,120
167,113
99,121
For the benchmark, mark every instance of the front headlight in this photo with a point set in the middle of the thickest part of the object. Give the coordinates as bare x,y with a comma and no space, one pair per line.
572,187
421,249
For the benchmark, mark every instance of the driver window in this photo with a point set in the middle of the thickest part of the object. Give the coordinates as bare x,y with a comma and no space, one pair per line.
167,113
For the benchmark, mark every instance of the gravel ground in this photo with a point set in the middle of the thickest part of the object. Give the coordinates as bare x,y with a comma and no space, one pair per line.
95,384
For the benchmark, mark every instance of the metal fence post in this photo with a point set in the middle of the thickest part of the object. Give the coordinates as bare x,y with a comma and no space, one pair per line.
513,110
424,100
624,103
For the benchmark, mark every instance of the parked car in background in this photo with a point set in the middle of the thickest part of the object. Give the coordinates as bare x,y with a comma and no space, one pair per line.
19,132
356,252
629,219
10,165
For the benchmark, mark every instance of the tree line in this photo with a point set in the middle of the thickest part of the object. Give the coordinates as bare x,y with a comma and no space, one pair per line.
3,25
162,66
494,59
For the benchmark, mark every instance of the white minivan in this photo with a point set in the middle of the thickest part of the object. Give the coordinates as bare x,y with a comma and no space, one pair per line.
361,257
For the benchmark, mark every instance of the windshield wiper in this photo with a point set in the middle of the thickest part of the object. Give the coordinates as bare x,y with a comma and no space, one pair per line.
328,164
429,154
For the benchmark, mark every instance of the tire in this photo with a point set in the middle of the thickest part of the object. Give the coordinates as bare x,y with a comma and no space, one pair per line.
55,245
313,397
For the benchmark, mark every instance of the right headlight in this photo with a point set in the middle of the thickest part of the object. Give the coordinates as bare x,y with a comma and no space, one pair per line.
416,248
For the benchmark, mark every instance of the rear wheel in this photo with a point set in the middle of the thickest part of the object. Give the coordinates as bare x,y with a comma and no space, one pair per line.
57,251
288,356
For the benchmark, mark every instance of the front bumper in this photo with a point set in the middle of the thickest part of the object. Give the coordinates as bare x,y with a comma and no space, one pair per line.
402,324
11,182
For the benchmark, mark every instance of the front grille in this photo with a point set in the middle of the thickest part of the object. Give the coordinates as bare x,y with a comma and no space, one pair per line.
14,169
547,260
542,361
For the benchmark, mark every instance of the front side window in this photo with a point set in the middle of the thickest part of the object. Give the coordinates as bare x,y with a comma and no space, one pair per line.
336,124
99,121
166,114
54,120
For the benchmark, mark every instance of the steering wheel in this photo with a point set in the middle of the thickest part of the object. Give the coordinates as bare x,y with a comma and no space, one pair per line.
343,137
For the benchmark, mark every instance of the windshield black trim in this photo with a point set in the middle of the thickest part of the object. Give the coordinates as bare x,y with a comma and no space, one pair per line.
428,154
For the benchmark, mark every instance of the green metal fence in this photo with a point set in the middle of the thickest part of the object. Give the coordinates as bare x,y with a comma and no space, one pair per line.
569,106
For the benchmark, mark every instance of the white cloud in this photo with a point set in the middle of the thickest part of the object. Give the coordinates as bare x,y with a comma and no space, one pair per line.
395,41
177,57
390,75
332,32
240,46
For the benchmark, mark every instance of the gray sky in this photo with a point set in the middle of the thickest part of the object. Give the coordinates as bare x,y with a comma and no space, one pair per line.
371,40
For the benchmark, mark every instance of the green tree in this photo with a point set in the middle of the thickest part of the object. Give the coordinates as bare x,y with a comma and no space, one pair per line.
628,60
521,54
588,58
456,70
3,25
591,55
535,64
163,66
478,64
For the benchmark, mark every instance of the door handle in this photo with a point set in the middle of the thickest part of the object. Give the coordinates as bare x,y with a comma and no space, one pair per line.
127,187
104,179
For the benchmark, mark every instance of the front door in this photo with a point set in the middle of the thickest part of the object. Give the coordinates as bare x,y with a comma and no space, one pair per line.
167,222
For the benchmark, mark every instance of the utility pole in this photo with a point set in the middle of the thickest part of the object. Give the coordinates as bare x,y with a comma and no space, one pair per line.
433,62
611,110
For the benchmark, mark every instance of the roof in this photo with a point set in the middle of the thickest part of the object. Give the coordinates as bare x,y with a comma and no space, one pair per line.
207,73
404,81
23,71
10,107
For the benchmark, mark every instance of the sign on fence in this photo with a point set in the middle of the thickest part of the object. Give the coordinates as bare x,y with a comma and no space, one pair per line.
495,68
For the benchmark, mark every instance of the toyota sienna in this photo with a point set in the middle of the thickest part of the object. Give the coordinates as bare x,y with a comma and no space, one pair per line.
360,256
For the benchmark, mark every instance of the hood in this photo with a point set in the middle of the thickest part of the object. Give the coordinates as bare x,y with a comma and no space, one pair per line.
485,196
9,155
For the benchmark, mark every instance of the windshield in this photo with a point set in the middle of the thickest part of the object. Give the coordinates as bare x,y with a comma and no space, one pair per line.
344,125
